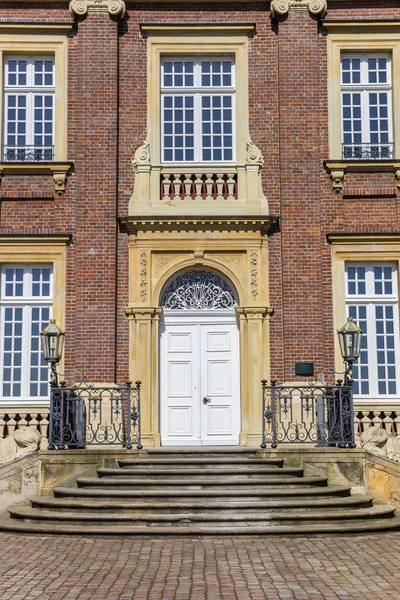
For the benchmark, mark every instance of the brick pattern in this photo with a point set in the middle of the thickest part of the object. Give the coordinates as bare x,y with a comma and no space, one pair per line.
107,108
353,567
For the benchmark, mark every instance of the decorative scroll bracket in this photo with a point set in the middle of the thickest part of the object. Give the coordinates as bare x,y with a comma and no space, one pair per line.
82,7
280,8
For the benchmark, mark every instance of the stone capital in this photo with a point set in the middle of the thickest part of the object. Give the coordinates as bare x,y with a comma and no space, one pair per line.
143,313
254,312
82,7
282,7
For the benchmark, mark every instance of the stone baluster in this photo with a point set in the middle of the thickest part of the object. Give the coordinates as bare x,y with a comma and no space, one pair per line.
209,186
33,422
177,183
11,423
187,184
43,425
388,423
376,419
397,424
220,186
230,184
22,421
198,187
166,185
366,421
3,428
357,425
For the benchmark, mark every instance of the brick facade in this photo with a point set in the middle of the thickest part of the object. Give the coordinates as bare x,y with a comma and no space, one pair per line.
288,121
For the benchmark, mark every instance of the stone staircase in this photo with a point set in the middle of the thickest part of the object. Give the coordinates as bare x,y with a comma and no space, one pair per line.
207,491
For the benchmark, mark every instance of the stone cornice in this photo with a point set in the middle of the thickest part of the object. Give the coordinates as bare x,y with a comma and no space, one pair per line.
363,238
280,8
82,7
49,239
134,224
147,29
337,169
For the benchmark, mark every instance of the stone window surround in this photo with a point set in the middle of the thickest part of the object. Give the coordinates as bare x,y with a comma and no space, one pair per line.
41,39
362,248
359,36
164,39
31,250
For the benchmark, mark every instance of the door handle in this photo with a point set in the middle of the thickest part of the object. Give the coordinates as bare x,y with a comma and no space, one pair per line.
206,400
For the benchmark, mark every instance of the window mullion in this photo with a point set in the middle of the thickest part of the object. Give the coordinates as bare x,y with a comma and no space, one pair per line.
198,128
372,350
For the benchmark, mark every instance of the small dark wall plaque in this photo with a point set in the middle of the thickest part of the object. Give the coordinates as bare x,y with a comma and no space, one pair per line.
304,368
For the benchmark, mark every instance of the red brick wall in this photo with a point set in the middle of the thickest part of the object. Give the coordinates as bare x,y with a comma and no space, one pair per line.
107,108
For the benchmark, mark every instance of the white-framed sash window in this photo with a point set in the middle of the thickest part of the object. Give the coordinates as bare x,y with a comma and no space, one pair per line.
366,90
372,301
29,108
26,307
198,110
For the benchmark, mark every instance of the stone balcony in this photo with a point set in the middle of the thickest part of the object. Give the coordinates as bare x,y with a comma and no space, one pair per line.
217,189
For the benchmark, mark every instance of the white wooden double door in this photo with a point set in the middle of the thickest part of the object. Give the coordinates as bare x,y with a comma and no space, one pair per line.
199,378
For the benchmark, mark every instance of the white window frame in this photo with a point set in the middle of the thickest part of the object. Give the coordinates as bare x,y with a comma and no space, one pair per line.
370,300
30,91
197,91
27,302
364,88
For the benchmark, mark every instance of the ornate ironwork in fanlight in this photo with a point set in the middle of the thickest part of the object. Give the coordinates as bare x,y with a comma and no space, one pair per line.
197,290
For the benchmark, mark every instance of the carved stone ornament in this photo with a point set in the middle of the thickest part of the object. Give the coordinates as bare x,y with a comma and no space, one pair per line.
337,177
142,156
253,154
282,7
143,275
60,181
113,7
254,274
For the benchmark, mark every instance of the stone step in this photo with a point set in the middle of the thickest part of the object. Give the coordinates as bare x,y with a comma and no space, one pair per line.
188,495
225,507
244,518
204,462
203,450
105,530
187,483
212,473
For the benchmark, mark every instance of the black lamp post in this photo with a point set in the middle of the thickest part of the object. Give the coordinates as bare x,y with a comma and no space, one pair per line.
52,338
350,336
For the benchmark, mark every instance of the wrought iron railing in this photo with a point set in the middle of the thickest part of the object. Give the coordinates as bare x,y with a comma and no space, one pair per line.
367,151
28,154
317,414
83,415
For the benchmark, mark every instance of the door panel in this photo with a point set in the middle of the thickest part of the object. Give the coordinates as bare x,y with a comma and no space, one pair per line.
220,378
199,380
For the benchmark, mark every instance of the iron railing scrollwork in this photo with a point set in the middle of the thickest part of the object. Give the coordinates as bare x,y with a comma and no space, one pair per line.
83,415
370,151
28,153
319,414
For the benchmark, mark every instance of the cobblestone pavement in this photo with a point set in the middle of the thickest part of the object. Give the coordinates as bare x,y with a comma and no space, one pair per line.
362,567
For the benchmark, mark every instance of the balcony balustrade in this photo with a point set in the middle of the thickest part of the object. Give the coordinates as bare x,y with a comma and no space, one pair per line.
199,186
367,151
28,154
